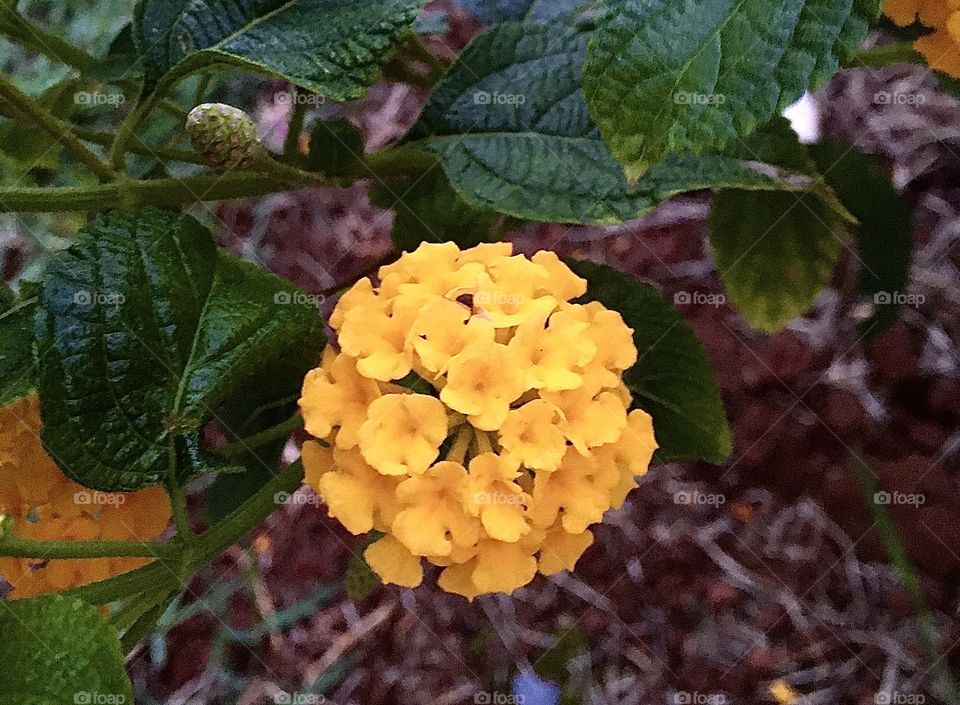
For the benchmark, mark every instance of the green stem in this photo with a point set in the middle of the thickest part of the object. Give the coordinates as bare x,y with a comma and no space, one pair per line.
207,546
50,550
897,553
421,52
268,165
178,501
129,193
17,28
291,144
248,516
879,57
128,127
202,86
275,433
397,162
173,110
139,146
137,193
59,129
402,73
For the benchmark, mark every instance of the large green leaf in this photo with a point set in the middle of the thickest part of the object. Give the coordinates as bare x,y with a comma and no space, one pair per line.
685,75
330,47
429,210
884,234
510,124
145,331
57,650
775,251
17,369
672,380
505,10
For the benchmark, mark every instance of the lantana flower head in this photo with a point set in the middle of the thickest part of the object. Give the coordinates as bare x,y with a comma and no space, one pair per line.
475,414
941,47
47,506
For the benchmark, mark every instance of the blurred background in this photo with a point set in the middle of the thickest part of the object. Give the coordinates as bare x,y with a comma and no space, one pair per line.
787,575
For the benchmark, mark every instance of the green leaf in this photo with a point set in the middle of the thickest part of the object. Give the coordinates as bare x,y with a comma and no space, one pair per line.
885,233
360,579
672,380
774,251
145,331
17,368
429,210
685,76
58,650
506,10
329,47
777,145
334,146
31,148
511,127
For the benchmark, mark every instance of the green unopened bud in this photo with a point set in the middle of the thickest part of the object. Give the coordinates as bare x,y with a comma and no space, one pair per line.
225,136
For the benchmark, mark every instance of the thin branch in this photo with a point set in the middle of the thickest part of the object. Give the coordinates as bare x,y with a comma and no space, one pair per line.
57,128
17,28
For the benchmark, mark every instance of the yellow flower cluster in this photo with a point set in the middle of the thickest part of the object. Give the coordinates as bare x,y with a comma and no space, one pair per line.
941,48
46,505
514,436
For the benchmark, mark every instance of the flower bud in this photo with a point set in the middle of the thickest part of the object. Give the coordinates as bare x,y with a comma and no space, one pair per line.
225,136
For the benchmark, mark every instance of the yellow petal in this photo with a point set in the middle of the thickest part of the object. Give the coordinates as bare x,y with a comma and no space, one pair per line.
403,433
458,579
391,560
503,567
562,550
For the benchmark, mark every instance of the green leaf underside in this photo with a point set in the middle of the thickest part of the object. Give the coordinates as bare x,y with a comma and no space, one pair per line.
360,580
330,47
58,650
775,252
17,369
145,330
543,159
30,148
507,10
429,210
885,232
685,76
672,380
